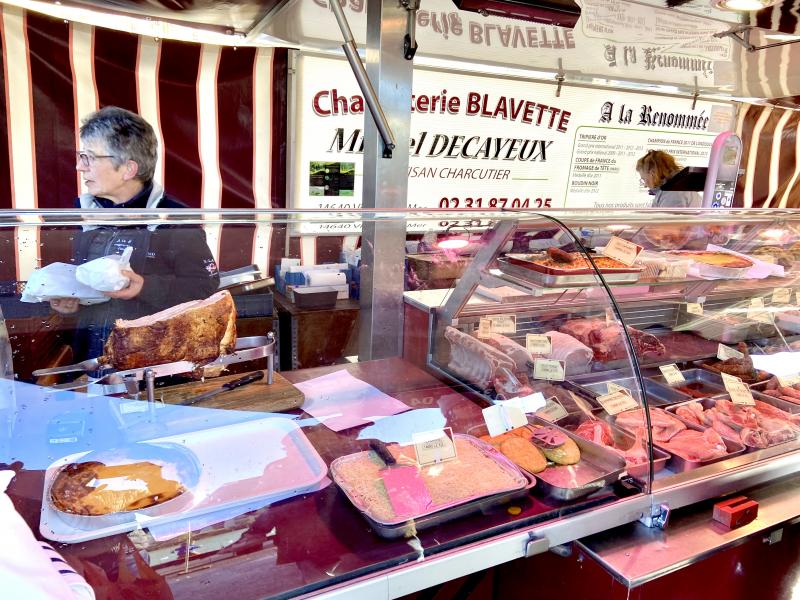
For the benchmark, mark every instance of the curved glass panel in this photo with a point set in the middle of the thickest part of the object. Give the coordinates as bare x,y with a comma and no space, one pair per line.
718,291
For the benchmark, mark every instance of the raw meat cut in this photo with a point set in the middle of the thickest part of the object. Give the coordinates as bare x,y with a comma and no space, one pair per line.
693,413
576,356
511,349
596,431
697,446
757,427
197,331
473,360
600,432
607,341
664,425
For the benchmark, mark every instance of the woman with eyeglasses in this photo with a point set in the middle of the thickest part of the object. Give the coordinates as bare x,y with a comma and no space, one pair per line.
170,263
655,168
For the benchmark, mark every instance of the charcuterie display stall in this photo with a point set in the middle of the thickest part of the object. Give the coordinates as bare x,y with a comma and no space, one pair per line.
576,373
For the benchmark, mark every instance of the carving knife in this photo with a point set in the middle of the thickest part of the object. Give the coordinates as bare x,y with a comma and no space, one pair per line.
226,387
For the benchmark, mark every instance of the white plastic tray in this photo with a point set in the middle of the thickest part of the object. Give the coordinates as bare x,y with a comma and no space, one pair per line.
263,460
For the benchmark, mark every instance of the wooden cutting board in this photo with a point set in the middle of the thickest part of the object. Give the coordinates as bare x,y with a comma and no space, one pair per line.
256,396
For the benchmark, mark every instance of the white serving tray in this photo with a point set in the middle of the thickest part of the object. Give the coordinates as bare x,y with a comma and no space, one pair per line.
255,461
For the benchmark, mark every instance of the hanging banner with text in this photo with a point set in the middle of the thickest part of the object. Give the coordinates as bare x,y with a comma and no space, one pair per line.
481,142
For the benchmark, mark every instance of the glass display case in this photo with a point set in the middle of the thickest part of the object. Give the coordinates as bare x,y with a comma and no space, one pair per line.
502,384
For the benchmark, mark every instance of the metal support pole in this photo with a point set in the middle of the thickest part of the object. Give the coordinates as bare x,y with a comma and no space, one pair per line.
385,185
363,80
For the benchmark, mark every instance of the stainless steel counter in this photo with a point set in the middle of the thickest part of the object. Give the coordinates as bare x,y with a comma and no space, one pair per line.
635,554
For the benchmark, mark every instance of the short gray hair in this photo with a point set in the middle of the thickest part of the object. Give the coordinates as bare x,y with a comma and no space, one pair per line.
127,137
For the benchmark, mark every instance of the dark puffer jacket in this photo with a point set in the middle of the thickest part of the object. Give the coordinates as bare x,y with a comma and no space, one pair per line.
174,260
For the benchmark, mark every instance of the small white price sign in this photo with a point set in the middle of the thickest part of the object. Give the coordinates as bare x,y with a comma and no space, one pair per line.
484,328
434,446
789,380
672,374
503,323
622,250
797,298
553,411
725,352
500,419
615,387
781,296
694,308
740,393
757,312
551,370
618,402
538,344
610,319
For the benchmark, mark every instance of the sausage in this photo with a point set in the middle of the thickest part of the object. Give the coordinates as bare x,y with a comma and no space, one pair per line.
559,255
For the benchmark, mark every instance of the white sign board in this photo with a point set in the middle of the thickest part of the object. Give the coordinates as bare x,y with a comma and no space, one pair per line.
483,142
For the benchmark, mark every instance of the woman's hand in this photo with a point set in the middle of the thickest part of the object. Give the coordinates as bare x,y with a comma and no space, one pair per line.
65,306
134,287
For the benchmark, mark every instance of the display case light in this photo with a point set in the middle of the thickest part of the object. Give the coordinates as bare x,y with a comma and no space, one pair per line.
617,228
744,5
773,234
452,240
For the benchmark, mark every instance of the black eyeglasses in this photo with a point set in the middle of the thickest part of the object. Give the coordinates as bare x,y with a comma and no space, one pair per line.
87,159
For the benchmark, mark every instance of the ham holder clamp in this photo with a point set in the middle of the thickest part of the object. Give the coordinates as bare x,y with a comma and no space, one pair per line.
246,349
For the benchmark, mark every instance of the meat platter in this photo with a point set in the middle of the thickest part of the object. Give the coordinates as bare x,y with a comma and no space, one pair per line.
699,383
526,267
622,440
597,468
658,394
678,463
345,468
756,427
272,457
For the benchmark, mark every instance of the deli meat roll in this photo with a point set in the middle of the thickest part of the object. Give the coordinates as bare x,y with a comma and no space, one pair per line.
576,356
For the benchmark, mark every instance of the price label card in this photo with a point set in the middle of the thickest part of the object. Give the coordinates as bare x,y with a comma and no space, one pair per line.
551,370
615,387
694,308
797,298
503,323
553,410
672,374
725,352
484,327
434,446
500,419
622,250
740,393
618,402
789,380
538,344
757,312
527,404
610,320
781,296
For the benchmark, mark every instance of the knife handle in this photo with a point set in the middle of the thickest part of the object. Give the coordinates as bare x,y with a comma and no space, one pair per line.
249,378
381,450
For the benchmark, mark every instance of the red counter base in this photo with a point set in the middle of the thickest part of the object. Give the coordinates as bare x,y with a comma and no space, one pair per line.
749,571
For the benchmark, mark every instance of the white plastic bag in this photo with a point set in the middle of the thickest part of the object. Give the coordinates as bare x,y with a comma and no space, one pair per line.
57,280
105,273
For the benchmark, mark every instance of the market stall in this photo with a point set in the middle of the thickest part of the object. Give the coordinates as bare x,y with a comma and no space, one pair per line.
481,350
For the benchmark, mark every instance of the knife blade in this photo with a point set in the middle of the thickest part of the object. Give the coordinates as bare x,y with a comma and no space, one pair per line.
226,387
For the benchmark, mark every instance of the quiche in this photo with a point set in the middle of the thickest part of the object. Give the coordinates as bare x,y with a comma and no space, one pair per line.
716,259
